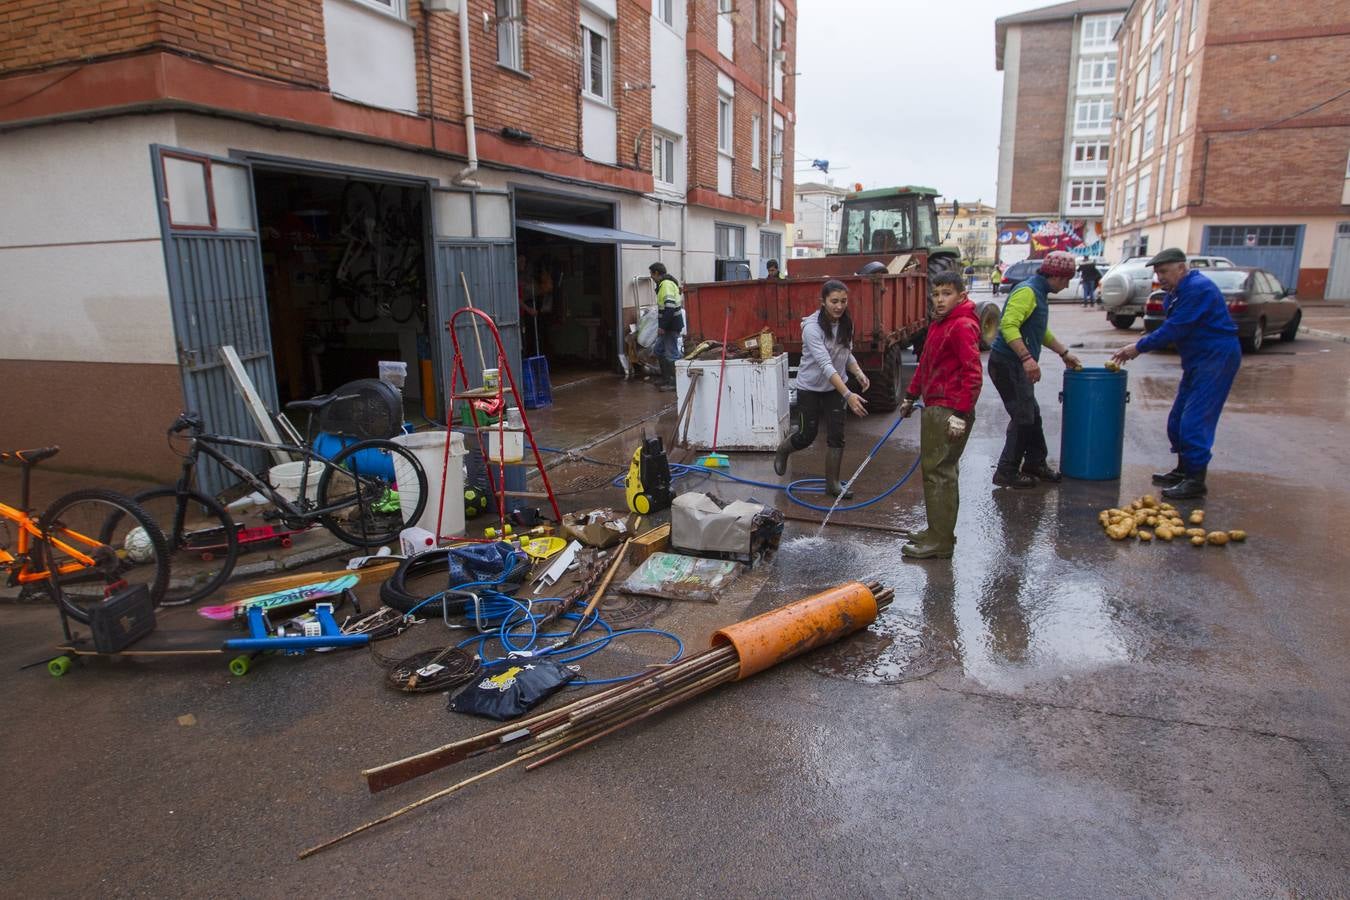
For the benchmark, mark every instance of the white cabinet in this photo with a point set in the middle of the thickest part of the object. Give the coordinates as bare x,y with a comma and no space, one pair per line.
754,403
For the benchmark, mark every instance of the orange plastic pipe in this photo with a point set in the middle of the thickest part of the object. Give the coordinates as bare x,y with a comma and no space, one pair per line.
780,634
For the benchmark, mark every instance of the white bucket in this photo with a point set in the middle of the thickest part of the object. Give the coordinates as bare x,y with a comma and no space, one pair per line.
505,445
429,448
286,479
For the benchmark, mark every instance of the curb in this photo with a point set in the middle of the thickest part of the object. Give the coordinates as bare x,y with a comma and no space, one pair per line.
1330,335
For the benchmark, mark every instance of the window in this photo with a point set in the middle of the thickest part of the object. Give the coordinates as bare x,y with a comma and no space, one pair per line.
666,10
1185,104
1087,195
725,125
397,8
1098,32
1150,132
1253,236
206,195
1092,116
663,159
1155,67
770,247
1167,116
1135,137
1145,28
779,30
1141,203
1195,14
1159,11
755,126
729,241
1139,85
1096,74
754,20
1127,214
1162,182
726,29
1090,156
1176,178
1176,40
776,161
595,61
510,46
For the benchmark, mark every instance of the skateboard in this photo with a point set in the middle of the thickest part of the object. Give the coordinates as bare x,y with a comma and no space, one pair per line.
304,593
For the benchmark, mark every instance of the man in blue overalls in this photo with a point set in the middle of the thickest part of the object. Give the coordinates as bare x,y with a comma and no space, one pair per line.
1197,322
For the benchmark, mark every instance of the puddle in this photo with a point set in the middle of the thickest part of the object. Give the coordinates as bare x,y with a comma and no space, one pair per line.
892,650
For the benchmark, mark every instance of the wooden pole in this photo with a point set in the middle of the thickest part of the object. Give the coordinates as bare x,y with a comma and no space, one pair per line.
468,298
599,592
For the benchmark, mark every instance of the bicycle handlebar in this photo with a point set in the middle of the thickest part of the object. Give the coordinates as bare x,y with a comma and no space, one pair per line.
184,422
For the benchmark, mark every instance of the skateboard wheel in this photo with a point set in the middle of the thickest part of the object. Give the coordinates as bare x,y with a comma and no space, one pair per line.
59,666
207,557
239,665
285,542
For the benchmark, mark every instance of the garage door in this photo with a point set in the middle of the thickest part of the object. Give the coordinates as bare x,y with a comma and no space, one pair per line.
1275,248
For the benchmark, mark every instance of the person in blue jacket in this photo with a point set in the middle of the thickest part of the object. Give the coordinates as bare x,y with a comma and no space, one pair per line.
1198,324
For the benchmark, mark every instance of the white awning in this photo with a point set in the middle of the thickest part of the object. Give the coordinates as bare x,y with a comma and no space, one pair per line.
592,234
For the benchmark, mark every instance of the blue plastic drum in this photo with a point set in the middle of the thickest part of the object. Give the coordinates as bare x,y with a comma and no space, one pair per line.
1092,436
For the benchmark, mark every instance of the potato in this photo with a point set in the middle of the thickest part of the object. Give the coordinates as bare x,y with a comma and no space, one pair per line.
1145,536
1197,541
1137,504
1217,538
1164,533
1134,530
1197,516
1238,535
1195,532
1111,365
1118,532
1151,521
1167,507
1149,500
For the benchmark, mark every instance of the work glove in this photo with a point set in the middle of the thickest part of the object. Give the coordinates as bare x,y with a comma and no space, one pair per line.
956,427
907,407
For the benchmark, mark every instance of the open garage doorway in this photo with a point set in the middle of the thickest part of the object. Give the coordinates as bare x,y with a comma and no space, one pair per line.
347,279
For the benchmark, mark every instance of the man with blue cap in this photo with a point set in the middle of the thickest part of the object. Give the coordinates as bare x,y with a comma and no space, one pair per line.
1198,324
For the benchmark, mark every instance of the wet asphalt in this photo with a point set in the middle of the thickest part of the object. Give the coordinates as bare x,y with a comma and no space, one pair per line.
1049,713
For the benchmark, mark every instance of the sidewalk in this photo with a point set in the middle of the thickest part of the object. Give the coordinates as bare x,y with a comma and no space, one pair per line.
1327,319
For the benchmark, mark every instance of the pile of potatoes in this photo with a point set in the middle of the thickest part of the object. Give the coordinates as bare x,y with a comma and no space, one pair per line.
1146,519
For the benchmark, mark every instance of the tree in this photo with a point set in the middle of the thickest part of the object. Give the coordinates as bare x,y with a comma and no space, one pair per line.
973,245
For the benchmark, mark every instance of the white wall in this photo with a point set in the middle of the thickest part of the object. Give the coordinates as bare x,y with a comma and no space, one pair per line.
370,56
670,94
599,131
1007,145
80,251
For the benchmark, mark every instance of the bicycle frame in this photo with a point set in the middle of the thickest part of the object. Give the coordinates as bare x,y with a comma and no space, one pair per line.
20,564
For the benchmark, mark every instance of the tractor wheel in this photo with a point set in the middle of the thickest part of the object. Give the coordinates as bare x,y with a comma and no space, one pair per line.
887,385
938,264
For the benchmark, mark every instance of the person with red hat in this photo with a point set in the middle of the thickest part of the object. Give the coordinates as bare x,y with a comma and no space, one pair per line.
1014,367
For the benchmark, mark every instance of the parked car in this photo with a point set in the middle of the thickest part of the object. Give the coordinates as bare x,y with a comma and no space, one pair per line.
1259,304
1126,286
1018,272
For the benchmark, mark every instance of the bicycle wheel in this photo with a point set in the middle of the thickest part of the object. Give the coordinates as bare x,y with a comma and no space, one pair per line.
203,543
380,487
97,541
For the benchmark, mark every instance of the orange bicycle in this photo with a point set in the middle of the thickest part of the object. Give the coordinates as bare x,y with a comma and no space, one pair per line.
86,545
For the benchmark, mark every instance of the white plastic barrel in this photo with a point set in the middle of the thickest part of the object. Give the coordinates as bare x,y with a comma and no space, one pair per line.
286,479
429,448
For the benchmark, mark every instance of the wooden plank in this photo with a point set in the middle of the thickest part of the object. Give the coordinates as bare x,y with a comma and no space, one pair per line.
647,543
257,410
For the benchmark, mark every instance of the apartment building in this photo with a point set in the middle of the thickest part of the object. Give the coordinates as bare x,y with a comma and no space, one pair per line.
1233,136
816,218
321,184
970,227
1059,76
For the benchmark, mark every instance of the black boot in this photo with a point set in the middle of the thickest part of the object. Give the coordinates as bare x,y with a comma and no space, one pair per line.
1170,478
667,375
780,456
1013,479
834,458
1042,472
1190,487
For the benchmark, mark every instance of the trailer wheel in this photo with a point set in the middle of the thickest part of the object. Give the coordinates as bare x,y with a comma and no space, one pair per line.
886,392
990,315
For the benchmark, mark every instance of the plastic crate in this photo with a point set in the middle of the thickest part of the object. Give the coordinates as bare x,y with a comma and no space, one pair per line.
538,387
122,619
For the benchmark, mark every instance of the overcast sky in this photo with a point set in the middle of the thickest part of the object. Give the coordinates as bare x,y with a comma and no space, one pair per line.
901,93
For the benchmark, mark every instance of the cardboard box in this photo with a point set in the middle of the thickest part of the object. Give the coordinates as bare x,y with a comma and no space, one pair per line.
600,528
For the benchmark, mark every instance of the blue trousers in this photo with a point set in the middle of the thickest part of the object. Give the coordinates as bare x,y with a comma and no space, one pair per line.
1205,381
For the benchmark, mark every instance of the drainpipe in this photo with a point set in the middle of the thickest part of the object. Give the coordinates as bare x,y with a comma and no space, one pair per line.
465,176
684,240
767,131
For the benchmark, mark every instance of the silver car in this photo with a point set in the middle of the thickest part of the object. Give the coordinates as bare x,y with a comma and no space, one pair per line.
1126,286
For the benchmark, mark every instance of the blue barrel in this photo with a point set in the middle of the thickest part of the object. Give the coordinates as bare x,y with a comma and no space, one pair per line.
1092,435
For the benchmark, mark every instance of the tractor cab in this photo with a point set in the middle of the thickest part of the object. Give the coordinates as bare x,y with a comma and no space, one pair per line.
888,221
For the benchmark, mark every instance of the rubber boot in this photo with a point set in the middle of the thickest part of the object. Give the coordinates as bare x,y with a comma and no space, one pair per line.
1170,478
667,375
1190,487
938,540
834,458
1042,472
780,456
1013,479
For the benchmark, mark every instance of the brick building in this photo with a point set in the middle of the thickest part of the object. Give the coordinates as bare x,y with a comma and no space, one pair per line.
307,180
1232,136
1059,73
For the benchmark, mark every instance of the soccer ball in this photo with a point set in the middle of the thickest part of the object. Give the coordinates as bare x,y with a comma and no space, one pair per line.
139,547
475,502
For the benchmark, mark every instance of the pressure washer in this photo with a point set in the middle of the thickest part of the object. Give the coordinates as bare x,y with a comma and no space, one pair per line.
647,485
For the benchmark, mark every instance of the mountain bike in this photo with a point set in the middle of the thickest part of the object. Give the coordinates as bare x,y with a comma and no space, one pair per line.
366,494
85,546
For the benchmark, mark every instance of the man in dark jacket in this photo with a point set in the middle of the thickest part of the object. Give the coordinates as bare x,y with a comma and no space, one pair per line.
1198,324
1014,367
1089,276
948,379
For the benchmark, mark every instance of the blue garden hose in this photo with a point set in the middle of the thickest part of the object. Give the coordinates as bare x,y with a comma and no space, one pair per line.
812,485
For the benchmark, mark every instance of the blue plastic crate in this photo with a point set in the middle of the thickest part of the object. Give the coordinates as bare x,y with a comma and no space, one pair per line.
538,387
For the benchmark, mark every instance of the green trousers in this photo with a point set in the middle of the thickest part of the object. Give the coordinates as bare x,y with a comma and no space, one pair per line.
939,457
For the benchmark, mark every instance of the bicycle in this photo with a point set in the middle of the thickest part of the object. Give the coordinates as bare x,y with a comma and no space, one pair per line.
366,494
85,546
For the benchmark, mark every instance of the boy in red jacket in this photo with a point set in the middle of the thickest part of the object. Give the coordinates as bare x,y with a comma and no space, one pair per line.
948,379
